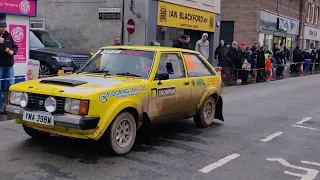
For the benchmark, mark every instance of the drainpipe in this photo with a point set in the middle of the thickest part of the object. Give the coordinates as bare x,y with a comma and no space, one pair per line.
301,24
122,27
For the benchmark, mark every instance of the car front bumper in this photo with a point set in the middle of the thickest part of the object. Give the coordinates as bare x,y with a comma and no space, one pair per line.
76,122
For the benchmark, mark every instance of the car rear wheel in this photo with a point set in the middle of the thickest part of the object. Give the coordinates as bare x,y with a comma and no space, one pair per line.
121,134
35,134
204,117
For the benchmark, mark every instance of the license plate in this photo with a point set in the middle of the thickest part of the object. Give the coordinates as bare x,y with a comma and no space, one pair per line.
38,118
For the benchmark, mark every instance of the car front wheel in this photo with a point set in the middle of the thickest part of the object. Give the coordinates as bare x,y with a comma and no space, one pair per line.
204,117
122,133
35,134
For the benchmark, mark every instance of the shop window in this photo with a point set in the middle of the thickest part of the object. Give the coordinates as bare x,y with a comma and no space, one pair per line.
308,13
172,64
195,66
261,39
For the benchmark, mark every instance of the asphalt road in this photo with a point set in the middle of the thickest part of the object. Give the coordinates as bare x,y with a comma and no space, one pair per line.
272,131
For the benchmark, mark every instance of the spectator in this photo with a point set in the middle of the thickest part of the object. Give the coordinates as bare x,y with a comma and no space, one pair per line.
181,42
307,60
219,53
313,59
261,64
297,58
275,55
246,65
281,63
116,41
8,48
202,46
317,60
188,41
230,57
253,58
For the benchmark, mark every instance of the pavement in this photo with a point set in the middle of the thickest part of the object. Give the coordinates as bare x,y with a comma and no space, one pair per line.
271,131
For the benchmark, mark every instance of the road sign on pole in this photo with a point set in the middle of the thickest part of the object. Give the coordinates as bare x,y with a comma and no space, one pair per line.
130,26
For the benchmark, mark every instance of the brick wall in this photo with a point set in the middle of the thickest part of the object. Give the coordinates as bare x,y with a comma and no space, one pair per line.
245,14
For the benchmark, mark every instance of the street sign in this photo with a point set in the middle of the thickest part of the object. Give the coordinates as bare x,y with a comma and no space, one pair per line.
109,13
130,26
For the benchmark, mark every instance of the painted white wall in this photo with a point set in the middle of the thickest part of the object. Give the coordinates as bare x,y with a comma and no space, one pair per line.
206,5
20,69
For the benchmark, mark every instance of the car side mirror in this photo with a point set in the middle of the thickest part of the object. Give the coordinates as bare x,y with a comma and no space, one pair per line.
162,76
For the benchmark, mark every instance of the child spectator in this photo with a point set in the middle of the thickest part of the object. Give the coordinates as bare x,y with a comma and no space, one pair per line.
268,66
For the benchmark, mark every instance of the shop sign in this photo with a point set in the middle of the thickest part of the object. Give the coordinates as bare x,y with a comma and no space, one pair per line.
19,35
311,33
19,7
109,13
171,15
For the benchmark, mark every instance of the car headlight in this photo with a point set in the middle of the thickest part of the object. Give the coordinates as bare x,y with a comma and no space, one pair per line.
75,106
24,100
62,59
15,97
50,104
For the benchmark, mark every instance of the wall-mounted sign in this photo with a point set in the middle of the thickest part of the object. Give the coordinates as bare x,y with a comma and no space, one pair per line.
109,13
311,33
172,15
19,7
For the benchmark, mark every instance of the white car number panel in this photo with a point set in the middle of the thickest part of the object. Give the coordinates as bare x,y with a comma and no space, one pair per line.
38,118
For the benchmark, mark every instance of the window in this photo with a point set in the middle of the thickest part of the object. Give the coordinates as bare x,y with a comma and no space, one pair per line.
312,14
195,66
34,41
172,64
316,17
308,13
2,17
37,24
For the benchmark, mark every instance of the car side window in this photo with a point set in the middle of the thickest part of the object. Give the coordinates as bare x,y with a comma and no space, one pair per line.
171,64
196,67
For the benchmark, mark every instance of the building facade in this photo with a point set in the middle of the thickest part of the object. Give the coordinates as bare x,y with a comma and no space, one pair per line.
262,22
311,24
77,24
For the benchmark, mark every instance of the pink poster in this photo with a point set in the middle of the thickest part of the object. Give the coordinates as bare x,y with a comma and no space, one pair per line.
19,35
19,7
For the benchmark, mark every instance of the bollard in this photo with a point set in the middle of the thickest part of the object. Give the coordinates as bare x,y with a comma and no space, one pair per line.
61,73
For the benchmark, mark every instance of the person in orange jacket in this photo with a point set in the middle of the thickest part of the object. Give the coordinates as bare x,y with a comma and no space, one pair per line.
268,65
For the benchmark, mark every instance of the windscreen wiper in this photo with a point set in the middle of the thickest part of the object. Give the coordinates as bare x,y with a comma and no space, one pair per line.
98,71
128,74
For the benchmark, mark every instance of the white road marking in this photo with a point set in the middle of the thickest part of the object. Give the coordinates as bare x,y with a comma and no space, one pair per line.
304,127
270,137
3,123
311,173
219,163
312,163
304,120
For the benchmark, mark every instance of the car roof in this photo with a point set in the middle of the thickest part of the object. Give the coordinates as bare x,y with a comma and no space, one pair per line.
152,48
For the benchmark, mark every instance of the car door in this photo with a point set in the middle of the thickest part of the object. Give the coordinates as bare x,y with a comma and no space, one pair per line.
168,99
200,76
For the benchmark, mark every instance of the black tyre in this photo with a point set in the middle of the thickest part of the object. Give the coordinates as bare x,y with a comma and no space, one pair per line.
121,134
45,70
205,116
35,134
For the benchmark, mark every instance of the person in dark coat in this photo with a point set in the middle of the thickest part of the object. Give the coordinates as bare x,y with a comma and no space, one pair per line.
313,59
261,64
219,53
245,64
181,42
8,49
307,60
297,58
281,62
229,59
317,63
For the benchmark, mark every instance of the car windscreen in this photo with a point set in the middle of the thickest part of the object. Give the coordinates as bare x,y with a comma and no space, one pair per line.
34,41
121,62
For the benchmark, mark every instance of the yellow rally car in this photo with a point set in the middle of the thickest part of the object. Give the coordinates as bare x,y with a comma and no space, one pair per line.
115,92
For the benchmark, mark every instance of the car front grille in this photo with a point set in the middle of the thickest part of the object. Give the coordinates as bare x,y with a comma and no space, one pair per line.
79,60
36,102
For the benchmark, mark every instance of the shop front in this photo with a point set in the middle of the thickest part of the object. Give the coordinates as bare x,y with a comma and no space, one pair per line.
277,29
311,38
174,20
17,14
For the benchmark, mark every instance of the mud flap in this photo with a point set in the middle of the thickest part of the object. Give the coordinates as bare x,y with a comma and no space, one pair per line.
219,107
